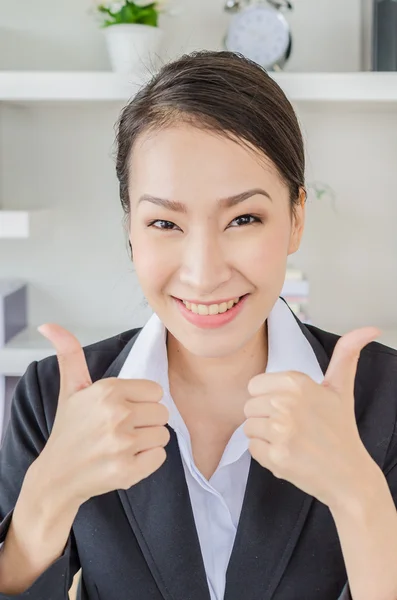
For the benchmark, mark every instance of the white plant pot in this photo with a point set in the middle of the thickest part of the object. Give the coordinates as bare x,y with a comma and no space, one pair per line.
132,47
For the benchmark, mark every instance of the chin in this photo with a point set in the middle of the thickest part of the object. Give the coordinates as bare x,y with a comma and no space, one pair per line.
213,343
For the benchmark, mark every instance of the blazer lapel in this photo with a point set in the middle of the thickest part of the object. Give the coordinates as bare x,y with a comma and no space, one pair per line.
273,515
160,514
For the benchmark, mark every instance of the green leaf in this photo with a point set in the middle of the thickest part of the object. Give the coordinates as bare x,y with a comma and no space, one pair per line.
148,16
128,13
103,9
107,23
131,13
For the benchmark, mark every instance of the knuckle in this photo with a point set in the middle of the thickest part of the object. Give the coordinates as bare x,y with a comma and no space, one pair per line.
134,442
107,389
290,433
288,404
286,428
279,455
115,444
292,402
296,380
114,470
114,416
107,385
133,413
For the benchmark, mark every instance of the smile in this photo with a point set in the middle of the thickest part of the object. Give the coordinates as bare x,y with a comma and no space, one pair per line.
210,316
211,309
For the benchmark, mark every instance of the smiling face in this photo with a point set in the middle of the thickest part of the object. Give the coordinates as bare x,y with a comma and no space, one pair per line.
210,223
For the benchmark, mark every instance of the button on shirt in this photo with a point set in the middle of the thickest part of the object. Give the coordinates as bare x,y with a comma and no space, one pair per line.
217,502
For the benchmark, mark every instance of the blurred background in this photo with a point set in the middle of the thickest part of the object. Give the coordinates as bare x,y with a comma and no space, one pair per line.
63,253
63,81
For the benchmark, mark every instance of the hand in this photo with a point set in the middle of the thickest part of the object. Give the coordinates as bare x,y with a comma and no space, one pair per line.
106,435
306,432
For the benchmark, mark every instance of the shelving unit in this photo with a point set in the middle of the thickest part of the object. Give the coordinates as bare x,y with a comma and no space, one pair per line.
68,86
16,224
102,86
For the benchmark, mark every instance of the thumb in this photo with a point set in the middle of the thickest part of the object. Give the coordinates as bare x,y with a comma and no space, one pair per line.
341,372
73,369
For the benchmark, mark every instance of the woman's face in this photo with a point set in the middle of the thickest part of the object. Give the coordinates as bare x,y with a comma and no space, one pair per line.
190,243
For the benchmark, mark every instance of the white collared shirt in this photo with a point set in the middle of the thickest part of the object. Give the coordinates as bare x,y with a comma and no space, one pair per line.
217,503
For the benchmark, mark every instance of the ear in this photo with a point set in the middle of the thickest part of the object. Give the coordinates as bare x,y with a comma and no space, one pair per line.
298,222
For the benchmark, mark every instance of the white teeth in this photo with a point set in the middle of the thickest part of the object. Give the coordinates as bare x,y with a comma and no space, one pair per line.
213,309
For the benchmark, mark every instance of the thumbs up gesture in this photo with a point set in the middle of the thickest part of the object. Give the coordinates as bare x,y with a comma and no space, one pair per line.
306,432
106,435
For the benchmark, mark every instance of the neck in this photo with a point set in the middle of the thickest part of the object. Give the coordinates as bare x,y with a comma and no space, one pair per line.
228,374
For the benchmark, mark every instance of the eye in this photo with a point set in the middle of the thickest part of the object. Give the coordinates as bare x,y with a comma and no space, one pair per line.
247,220
167,225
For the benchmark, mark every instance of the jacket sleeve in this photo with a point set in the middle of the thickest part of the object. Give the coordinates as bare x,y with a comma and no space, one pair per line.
25,437
390,472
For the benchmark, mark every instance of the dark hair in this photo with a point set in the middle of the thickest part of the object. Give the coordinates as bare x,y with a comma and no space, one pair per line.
223,92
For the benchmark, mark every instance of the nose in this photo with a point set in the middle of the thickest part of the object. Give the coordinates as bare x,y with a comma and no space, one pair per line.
204,266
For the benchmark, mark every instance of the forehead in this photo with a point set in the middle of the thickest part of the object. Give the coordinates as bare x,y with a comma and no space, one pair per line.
187,155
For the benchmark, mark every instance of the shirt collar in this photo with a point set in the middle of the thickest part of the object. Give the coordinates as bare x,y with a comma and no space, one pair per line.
288,348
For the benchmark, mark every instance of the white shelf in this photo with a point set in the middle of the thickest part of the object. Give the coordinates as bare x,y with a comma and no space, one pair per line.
20,223
339,87
30,345
38,86
103,86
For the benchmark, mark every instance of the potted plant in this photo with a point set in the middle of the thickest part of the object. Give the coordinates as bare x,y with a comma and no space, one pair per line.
132,32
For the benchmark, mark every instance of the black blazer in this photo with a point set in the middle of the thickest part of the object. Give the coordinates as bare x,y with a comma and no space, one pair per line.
142,544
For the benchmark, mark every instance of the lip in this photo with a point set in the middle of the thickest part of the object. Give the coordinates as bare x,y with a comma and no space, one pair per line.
211,321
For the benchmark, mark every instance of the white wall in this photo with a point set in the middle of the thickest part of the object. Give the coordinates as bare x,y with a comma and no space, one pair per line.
63,35
350,247
79,271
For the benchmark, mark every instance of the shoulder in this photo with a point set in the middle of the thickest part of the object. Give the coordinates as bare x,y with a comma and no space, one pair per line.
377,365
376,353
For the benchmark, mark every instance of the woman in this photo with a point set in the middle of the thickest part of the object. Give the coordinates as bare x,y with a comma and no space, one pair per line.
224,450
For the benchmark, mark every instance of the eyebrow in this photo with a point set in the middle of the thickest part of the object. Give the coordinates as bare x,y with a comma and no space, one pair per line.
223,202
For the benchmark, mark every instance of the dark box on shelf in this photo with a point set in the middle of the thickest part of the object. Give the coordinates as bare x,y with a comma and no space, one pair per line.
13,308
13,319
385,35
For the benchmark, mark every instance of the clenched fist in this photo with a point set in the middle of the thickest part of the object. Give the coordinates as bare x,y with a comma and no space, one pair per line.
306,432
106,435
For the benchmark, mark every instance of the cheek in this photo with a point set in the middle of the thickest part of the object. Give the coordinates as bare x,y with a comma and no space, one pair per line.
153,267
266,251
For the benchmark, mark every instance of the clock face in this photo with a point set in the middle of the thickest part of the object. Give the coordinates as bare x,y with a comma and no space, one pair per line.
260,33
